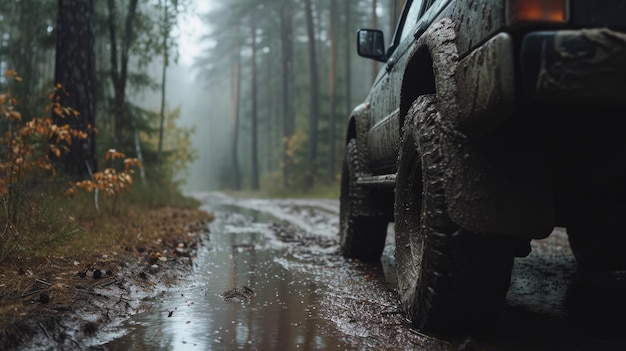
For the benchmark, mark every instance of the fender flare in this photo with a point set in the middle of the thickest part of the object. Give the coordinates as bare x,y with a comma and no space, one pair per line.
489,187
358,127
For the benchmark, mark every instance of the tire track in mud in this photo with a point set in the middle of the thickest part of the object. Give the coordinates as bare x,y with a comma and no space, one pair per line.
307,296
359,299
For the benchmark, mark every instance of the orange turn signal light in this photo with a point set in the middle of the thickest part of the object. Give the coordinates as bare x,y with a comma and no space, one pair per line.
537,11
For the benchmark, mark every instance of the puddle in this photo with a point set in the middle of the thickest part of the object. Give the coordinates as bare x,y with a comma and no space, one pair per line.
307,297
240,251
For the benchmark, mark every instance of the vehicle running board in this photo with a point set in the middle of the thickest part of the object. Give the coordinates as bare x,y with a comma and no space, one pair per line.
377,181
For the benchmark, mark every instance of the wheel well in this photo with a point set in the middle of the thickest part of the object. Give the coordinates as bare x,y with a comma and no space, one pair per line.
419,79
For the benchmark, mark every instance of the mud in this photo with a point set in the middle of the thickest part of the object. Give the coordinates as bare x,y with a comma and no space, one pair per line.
59,303
293,290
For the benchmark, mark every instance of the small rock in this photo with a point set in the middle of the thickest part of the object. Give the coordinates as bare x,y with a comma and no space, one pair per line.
90,328
242,293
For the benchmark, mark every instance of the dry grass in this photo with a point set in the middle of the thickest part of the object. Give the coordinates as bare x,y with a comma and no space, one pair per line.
60,250
272,188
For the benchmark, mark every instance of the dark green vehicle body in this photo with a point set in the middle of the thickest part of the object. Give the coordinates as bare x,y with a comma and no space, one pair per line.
527,115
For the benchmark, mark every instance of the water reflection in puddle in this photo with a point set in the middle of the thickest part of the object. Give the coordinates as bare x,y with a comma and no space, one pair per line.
239,252
312,299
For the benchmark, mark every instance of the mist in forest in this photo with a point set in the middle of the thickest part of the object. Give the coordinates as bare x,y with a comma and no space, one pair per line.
206,81
256,93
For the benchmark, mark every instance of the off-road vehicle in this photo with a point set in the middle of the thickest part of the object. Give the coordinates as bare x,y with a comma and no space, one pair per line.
490,123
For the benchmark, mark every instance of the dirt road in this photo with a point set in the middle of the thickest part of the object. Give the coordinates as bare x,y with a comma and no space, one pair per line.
270,277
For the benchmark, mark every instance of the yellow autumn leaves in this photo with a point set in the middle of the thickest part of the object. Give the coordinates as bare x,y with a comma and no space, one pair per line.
110,181
26,147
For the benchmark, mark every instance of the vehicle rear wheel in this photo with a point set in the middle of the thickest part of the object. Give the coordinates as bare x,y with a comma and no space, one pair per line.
449,279
362,231
597,235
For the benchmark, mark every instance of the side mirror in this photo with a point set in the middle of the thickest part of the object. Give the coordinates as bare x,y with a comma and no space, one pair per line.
371,44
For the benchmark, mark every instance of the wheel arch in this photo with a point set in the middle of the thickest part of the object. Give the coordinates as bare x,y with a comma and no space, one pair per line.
432,70
418,79
357,123
513,205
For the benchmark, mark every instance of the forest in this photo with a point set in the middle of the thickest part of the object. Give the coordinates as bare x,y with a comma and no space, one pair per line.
289,72
280,78
111,110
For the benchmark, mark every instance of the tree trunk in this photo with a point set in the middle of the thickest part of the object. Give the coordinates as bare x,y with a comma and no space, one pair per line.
270,122
311,159
331,91
235,111
142,170
119,71
350,37
75,72
286,39
255,127
166,32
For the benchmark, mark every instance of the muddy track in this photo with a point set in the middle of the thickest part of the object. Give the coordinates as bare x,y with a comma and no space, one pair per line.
269,276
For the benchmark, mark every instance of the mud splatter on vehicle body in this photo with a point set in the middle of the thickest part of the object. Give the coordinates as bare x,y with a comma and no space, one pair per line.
490,123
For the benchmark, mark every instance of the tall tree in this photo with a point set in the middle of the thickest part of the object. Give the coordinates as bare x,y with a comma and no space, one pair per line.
27,45
255,123
236,81
348,55
286,45
170,11
75,75
330,164
119,64
226,58
311,158
165,32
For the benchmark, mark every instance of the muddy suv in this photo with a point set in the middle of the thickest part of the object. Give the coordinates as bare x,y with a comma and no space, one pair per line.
490,123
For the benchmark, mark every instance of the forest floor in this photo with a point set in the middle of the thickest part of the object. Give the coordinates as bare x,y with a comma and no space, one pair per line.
65,301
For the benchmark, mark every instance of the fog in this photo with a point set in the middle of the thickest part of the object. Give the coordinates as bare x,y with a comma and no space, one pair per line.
206,102
205,108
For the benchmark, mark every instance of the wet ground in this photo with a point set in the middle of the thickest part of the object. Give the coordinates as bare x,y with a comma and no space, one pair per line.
269,277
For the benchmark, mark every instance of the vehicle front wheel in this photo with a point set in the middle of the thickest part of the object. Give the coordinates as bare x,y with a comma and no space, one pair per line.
449,279
362,229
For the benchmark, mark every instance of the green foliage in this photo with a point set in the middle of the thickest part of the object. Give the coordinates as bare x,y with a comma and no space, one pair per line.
27,41
179,152
276,117
51,221
57,225
157,194
146,47
26,147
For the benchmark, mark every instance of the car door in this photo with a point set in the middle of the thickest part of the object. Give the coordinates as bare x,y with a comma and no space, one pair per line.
384,98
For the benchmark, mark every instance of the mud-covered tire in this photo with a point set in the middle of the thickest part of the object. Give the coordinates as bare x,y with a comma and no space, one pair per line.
362,230
450,279
597,235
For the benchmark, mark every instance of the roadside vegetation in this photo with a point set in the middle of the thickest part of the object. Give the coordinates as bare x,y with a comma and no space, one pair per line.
270,190
63,235
82,163
68,268
47,211
89,182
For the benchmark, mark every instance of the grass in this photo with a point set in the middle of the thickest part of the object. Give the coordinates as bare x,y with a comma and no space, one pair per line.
54,238
49,223
271,187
